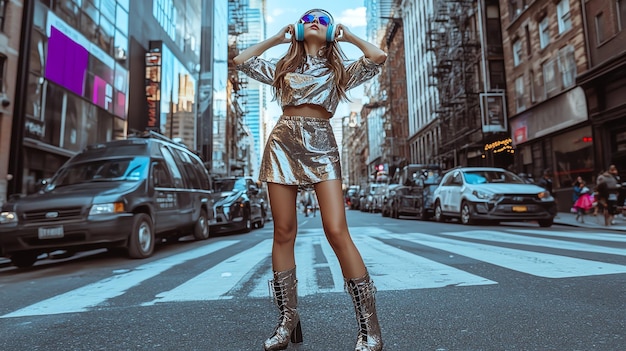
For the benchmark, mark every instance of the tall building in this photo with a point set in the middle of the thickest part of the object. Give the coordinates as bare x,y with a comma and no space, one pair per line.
244,125
544,52
164,68
74,84
220,41
424,131
605,81
90,74
10,34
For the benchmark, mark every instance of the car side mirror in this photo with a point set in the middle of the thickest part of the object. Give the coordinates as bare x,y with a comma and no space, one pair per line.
253,189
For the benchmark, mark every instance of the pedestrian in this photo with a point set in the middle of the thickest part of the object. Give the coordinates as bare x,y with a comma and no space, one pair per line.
584,201
546,181
608,188
308,82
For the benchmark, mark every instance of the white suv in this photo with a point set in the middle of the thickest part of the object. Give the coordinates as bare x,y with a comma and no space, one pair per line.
494,194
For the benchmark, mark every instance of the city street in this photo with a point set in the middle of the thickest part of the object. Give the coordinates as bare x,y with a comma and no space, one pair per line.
441,287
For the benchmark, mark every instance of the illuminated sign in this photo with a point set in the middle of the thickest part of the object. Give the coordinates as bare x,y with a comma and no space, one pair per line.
153,89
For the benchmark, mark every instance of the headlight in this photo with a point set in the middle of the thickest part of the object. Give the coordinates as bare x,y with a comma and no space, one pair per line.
113,207
545,196
8,217
484,195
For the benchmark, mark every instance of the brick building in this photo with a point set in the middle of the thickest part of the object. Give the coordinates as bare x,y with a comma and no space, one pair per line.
10,25
605,81
544,51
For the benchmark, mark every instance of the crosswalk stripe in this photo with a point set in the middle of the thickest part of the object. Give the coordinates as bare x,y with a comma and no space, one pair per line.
534,263
214,283
575,235
535,241
390,267
89,296
396,269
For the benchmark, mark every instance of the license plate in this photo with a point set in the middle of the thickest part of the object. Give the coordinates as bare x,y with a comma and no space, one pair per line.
51,233
519,209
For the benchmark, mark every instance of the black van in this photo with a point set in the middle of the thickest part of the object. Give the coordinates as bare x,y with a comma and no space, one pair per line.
124,193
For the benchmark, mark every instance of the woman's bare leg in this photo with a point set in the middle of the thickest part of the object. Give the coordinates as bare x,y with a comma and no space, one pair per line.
333,212
283,203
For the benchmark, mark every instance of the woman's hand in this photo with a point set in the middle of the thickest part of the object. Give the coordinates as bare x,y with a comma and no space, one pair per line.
342,33
281,36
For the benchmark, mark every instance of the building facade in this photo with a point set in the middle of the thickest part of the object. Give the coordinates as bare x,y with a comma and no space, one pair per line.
423,129
605,81
10,34
544,50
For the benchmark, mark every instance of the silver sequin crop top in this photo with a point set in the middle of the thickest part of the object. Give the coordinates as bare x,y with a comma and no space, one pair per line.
313,84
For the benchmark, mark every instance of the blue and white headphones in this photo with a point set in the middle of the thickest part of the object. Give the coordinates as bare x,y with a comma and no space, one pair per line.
325,20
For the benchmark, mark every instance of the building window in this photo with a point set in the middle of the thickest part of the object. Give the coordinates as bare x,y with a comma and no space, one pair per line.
600,28
519,94
567,66
544,32
564,16
3,13
621,13
517,52
550,84
3,59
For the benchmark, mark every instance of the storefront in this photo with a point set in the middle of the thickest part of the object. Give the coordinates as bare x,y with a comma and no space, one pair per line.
555,135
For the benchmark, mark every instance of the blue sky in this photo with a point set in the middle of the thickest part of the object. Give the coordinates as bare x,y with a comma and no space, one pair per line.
350,13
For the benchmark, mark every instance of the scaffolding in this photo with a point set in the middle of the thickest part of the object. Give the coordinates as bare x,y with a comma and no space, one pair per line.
452,39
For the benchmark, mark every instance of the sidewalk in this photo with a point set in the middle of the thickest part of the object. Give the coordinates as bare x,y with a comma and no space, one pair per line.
592,222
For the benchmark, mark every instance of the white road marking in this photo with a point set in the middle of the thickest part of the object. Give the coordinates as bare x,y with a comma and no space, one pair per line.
534,263
536,241
587,236
89,296
213,284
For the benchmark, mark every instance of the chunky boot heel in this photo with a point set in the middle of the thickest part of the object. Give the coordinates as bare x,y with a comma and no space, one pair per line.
296,334
362,291
285,294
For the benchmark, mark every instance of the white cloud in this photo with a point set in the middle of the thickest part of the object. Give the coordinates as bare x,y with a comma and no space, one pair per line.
355,17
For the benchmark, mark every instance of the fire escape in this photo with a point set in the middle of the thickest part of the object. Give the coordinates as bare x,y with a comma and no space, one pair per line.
452,39
235,131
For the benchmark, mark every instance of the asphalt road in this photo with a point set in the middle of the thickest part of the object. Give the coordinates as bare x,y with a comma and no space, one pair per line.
441,286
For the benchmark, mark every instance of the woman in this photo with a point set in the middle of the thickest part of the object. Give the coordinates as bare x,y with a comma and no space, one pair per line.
584,200
308,82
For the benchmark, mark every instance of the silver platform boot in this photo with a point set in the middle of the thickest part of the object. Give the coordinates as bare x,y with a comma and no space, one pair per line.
362,291
285,294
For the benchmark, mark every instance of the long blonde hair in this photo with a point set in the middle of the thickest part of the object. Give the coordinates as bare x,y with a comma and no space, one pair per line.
295,58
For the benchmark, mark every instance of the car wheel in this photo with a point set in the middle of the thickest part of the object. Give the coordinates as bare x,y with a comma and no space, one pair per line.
247,221
201,228
545,223
466,214
261,223
24,259
438,212
141,241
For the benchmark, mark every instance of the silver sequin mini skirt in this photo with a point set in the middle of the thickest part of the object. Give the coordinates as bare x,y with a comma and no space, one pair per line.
300,151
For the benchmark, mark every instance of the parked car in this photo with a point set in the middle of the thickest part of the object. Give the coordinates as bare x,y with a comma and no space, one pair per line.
387,200
368,202
494,194
407,201
124,193
238,205
430,180
352,197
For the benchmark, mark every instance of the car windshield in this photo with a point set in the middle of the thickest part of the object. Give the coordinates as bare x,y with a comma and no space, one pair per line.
106,170
432,177
491,176
222,185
